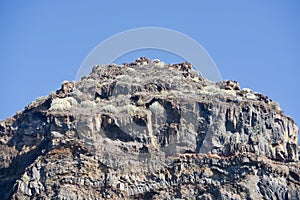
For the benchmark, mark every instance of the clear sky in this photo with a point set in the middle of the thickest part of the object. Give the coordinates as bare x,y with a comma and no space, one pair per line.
43,43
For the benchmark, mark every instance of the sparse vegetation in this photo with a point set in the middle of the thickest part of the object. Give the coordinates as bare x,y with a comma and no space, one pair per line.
194,73
130,109
98,100
37,101
214,90
226,92
60,105
130,70
110,108
248,90
88,104
140,102
251,96
123,78
159,64
157,108
71,100
91,81
77,93
275,105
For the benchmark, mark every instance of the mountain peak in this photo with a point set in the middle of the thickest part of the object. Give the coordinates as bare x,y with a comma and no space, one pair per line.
147,129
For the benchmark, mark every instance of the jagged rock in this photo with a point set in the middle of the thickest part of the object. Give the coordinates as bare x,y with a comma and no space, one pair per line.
149,130
66,89
229,85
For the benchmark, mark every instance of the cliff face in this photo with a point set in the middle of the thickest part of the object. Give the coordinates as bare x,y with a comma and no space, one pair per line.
149,130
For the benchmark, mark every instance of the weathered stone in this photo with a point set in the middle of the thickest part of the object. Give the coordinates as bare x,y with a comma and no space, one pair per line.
147,130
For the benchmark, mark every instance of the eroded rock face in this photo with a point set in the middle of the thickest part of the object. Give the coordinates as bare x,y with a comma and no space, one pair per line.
150,130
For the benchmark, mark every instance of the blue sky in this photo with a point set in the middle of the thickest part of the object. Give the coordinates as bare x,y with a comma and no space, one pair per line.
43,43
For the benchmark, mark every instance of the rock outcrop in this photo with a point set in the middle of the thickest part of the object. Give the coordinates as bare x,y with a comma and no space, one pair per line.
149,130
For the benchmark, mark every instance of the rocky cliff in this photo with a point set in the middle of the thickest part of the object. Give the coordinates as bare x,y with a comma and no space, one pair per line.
148,130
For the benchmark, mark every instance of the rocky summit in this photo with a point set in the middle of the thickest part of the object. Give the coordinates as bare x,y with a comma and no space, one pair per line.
149,130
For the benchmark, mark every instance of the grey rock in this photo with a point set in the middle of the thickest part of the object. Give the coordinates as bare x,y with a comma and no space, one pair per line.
149,130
